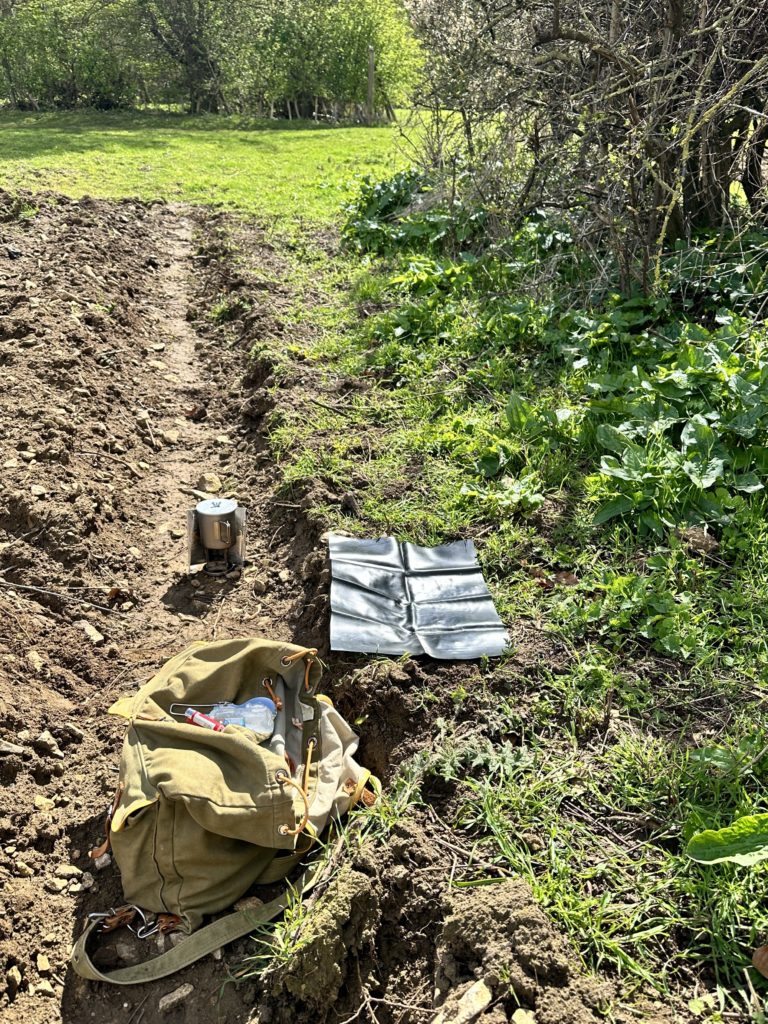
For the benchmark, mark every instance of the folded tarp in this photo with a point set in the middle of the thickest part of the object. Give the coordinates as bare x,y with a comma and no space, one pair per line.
390,597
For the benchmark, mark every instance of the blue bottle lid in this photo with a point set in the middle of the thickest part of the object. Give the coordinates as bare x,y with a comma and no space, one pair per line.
269,704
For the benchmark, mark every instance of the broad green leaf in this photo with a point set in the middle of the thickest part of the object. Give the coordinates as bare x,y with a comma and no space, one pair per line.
718,757
698,435
612,438
612,467
702,474
744,842
518,412
615,507
652,523
749,483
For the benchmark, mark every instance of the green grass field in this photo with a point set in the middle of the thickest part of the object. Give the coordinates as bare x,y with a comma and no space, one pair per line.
263,168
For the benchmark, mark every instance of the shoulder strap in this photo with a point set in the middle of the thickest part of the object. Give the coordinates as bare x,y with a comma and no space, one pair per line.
193,948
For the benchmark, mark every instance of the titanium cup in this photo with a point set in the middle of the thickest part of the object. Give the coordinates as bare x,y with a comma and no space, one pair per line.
215,523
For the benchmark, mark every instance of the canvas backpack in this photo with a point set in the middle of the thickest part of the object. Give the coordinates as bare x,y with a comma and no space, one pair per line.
200,816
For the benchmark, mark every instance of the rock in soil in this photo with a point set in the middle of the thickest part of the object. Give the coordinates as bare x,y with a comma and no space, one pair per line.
176,998
46,744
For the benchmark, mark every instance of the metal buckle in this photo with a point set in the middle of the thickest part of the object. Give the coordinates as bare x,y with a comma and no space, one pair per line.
100,915
146,928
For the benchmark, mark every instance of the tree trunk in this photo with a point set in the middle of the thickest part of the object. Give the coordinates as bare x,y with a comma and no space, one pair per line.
752,178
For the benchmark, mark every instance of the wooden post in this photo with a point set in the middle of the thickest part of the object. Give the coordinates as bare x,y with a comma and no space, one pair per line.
370,111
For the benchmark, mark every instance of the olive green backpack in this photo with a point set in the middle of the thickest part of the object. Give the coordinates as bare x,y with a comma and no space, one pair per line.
200,816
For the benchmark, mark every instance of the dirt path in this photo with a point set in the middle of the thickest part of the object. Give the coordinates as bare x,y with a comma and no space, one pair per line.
110,413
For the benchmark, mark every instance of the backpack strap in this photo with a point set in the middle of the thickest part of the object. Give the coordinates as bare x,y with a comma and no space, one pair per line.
195,946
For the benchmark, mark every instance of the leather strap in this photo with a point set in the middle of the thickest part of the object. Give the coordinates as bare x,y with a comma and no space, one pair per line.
195,946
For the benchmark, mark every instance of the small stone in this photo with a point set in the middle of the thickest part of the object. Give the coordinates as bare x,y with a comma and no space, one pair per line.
9,748
284,575
44,988
325,537
43,803
56,885
127,953
249,903
223,439
176,533
176,998
87,880
42,963
209,482
144,465
258,585
74,888
135,552
24,735
170,436
46,744
22,869
91,632
157,364
474,1001
50,939
34,659
68,871
37,491
12,981
521,1016
218,954
102,862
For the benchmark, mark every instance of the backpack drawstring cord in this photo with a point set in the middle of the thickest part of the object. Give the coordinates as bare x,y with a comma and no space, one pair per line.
310,653
283,779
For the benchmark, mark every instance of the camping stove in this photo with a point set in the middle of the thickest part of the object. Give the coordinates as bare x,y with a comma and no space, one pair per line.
216,536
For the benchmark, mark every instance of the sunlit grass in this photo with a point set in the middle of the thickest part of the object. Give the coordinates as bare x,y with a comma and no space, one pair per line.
294,173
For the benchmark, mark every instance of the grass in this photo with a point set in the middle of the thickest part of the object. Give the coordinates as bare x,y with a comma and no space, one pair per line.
642,720
638,717
288,173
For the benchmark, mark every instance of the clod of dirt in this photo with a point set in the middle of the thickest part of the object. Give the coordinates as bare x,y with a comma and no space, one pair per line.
336,933
499,931
12,981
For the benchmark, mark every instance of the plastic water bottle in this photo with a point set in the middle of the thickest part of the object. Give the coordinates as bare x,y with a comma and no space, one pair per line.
257,714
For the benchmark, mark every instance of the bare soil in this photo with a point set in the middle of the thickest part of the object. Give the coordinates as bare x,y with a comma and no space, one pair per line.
118,393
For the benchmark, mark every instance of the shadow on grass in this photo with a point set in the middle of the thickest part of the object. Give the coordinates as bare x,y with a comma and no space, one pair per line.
30,135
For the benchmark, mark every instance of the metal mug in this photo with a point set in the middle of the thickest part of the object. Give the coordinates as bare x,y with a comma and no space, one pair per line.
215,519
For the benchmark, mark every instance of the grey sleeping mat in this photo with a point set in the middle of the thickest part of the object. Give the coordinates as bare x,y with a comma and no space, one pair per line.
391,597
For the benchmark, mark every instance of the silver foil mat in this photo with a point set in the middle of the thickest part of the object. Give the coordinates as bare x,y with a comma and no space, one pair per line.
390,597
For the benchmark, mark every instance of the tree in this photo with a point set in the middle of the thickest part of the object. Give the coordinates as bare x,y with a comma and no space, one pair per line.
185,29
637,117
